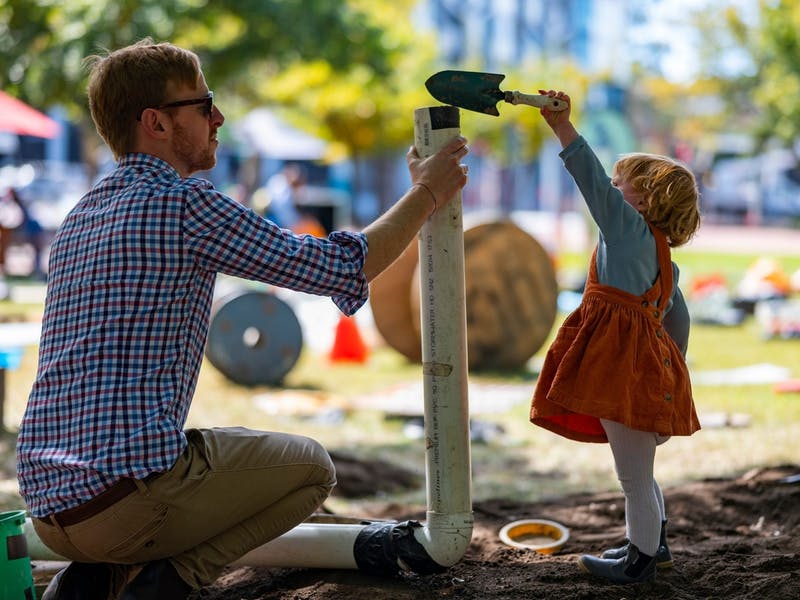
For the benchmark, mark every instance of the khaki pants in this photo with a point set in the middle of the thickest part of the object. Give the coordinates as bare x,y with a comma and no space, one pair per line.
232,490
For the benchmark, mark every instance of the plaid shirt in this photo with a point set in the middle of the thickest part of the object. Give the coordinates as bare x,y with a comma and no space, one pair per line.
132,272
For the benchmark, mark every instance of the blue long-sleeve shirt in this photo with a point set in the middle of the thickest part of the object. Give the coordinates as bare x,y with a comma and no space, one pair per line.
626,249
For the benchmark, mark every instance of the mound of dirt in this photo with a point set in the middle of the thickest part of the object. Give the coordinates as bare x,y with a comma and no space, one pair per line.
737,538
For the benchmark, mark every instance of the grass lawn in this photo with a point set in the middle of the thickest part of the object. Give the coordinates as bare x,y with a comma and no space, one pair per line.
523,462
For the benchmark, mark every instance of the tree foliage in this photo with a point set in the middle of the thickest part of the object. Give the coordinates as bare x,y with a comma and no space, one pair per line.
366,111
763,96
774,45
43,42
351,72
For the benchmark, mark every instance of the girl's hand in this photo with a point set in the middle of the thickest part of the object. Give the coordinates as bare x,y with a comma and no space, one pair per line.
558,120
556,117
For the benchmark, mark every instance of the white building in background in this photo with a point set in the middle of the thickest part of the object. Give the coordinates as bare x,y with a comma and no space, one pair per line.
504,33
501,35
606,38
603,36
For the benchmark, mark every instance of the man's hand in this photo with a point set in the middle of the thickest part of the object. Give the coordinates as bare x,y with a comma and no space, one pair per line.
442,174
435,181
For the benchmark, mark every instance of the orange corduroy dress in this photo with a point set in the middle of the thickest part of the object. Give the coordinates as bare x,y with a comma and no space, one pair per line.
612,359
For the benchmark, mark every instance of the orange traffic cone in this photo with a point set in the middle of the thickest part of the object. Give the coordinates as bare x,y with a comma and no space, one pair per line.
348,345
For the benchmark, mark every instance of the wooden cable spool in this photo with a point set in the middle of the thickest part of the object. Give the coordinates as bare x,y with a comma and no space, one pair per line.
254,338
511,298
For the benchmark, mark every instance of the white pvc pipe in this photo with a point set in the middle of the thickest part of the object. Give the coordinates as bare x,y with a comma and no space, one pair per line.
447,533
444,358
442,541
309,545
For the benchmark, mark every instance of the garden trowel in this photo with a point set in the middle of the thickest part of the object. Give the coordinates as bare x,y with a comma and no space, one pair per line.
481,92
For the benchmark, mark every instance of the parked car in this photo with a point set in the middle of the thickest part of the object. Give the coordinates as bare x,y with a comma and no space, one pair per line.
766,186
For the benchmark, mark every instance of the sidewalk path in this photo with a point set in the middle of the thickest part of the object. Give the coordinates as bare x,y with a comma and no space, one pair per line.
746,240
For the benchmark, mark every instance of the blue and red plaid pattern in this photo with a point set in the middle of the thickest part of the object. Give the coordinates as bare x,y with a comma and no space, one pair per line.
130,286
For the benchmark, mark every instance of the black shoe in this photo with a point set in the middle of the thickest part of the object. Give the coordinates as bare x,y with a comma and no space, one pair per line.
663,554
634,567
80,581
158,580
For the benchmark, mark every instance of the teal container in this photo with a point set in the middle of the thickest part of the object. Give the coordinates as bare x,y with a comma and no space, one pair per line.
10,358
16,574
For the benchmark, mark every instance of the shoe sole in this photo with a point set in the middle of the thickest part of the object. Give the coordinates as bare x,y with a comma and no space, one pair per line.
586,570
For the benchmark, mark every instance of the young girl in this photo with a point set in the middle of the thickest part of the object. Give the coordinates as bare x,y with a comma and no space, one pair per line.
616,372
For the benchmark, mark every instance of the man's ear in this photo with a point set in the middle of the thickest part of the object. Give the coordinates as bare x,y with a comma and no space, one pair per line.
155,123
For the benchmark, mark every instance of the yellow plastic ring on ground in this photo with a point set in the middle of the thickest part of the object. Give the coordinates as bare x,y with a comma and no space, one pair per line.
541,535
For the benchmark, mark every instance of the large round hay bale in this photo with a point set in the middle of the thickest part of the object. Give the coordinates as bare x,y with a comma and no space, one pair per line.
388,296
511,295
511,298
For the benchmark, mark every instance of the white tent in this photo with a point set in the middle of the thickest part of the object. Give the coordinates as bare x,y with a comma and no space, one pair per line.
269,136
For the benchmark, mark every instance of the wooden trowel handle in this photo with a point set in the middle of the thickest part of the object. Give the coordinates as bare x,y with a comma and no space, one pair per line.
537,100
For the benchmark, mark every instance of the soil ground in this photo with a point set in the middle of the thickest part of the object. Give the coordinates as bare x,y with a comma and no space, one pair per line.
731,538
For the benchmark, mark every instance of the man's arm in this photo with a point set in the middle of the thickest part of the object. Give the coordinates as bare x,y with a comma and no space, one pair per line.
435,181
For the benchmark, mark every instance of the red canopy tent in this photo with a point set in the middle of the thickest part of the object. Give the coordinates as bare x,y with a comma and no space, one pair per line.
21,119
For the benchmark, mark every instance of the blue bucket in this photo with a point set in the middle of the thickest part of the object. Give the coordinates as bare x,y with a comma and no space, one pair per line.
10,358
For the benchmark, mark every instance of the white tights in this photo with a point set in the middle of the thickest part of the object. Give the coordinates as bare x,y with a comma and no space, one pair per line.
634,454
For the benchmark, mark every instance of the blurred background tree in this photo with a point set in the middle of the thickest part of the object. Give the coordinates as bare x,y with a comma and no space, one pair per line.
769,90
352,72
43,43
748,76
349,72
242,44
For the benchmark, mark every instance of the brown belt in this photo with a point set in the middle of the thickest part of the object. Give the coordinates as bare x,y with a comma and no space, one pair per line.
73,516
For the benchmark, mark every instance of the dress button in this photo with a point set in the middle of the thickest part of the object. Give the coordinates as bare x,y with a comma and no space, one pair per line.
658,332
668,397
667,362
645,303
655,313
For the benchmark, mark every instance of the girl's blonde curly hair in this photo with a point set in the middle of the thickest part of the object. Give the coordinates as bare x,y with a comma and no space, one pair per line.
671,200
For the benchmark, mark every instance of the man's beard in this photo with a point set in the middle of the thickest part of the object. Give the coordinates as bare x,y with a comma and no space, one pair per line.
196,158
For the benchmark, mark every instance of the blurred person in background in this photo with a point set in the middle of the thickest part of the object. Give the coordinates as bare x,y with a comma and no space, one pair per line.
5,238
28,230
144,508
18,227
282,189
286,192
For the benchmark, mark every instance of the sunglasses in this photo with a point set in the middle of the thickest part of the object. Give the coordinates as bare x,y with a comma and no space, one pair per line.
207,102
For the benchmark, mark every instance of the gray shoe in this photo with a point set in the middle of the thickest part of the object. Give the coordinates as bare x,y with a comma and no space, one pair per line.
663,554
634,567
